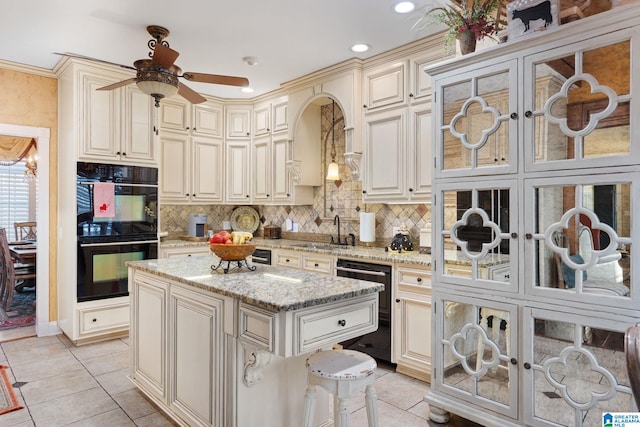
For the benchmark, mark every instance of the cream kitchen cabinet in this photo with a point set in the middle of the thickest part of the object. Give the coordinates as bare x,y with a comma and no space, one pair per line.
190,250
261,170
179,115
411,339
238,173
110,126
307,261
398,160
191,168
178,336
271,183
513,133
238,121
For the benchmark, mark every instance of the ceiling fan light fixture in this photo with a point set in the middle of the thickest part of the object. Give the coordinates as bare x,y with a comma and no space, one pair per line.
156,82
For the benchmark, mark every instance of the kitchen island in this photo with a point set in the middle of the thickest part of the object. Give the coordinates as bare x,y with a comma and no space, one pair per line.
215,349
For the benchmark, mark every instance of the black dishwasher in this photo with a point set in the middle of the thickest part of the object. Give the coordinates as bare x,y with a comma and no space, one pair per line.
376,344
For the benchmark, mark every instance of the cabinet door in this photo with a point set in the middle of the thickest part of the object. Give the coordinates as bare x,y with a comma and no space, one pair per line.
174,178
149,337
238,122
412,335
419,157
237,172
207,167
385,156
174,115
100,119
197,357
261,170
385,86
279,116
281,183
476,344
262,120
139,135
207,119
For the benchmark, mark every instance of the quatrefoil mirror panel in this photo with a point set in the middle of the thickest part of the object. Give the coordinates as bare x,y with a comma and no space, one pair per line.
581,104
582,240
475,118
476,234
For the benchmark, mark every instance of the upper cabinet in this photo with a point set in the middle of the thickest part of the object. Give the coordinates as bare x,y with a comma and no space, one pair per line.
270,117
192,153
113,126
238,121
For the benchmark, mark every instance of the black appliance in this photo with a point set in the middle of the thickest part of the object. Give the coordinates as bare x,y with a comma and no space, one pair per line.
376,344
130,233
261,256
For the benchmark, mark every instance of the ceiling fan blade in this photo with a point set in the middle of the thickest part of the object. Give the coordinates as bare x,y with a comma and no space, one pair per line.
164,56
189,94
117,85
88,58
216,79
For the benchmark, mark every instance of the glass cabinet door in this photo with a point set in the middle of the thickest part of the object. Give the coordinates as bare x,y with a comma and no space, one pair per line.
477,351
476,122
575,369
578,104
579,239
476,224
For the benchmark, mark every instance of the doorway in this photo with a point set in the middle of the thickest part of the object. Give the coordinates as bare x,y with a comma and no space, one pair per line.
43,326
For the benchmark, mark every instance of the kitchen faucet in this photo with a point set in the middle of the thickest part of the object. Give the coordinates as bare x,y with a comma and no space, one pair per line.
336,221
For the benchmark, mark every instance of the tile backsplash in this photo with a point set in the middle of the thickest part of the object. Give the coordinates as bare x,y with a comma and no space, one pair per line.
174,219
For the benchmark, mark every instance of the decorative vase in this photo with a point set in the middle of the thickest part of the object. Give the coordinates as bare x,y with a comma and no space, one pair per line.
467,41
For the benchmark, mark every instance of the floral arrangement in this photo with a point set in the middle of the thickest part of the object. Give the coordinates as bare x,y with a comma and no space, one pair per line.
478,16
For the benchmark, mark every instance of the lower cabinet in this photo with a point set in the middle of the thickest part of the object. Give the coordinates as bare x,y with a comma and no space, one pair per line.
411,339
190,250
306,261
177,334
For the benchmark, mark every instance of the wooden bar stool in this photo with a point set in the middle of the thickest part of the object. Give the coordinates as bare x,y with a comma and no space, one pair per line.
341,373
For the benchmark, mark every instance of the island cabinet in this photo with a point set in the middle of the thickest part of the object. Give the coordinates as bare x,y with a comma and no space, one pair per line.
537,167
216,349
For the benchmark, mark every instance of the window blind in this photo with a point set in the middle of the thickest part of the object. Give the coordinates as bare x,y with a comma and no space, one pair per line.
18,197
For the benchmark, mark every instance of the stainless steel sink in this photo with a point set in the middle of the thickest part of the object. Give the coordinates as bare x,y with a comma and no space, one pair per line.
322,246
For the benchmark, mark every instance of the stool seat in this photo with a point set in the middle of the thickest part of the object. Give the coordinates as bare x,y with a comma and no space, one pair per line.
341,373
341,364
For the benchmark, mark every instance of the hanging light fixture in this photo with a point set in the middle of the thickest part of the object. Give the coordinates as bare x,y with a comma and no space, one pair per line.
31,171
333,171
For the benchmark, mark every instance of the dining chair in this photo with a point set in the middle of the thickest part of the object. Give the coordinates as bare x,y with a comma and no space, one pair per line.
13,274
26,230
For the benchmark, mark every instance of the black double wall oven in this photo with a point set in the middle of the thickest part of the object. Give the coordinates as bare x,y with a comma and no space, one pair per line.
117,211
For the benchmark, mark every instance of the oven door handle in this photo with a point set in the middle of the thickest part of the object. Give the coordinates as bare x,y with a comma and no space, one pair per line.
259,258
137,242
355,270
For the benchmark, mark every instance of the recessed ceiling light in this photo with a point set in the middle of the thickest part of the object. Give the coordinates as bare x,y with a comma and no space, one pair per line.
404,7
247,90
250,60
360,47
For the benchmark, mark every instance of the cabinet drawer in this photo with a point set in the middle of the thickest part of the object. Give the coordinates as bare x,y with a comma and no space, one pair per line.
257,327
288,260
317,264
102,319
414,280
320,327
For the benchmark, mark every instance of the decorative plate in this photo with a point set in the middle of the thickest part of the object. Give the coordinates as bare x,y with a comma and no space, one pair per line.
245,218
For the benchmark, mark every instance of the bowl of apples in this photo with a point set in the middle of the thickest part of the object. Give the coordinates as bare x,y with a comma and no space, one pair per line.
234,246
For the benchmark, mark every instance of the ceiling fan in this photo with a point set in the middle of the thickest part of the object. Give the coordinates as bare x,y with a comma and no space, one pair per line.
159,75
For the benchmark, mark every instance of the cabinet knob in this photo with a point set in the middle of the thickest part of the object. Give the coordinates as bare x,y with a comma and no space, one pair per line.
397,299
286,260
288,195
410,190
419,279
187,128
364,191
514,116
124,154
514,235
94,320
528,236
268,129
194,129
247,195
528,114
527,365
316,265
410,95
268,195
247,133
342,322
514,361
118,153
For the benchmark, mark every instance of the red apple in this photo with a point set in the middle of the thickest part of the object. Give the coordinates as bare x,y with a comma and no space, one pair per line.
225,234
229,242
217,238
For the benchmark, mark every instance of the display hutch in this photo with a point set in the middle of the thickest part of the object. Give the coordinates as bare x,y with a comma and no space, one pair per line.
537,172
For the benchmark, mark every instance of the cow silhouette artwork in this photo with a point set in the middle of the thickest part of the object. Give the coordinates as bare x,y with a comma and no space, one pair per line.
533,13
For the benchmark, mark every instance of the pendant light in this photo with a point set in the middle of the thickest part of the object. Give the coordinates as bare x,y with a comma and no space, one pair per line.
333,171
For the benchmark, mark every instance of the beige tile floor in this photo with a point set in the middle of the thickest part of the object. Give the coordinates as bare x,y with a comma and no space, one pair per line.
63,385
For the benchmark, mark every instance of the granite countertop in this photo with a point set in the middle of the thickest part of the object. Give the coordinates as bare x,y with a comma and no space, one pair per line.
354,252
269,287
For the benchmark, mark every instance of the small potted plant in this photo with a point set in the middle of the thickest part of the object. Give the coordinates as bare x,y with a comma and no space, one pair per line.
468,21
